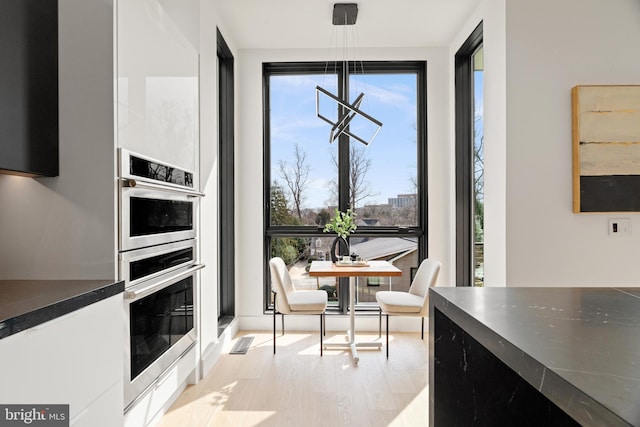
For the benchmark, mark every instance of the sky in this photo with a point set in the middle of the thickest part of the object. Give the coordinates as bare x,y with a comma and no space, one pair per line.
389,98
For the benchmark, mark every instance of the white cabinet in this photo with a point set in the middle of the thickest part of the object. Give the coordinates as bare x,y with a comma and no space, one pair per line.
104,411
75,359
157,85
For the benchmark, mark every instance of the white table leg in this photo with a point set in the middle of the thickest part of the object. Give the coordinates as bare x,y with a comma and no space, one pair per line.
352,319
351,333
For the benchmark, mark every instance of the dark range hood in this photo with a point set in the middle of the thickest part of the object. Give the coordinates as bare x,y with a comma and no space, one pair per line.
29,130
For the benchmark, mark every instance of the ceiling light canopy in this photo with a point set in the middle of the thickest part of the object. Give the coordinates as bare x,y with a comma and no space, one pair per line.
345,13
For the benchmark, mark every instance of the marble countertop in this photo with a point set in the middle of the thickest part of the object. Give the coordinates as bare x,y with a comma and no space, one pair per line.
580,347
28,303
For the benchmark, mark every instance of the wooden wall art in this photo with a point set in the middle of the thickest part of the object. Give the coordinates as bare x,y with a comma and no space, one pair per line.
606,148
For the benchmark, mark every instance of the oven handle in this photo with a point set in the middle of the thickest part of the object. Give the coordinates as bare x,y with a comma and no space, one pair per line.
126,182
149,289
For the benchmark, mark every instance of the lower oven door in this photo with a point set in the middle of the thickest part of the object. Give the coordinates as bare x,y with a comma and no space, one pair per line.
160,326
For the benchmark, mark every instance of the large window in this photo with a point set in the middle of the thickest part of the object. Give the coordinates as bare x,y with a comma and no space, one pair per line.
469,88
226,243
478,166
307,177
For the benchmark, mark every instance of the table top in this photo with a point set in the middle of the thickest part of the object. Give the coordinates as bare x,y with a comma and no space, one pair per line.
580,347
374,269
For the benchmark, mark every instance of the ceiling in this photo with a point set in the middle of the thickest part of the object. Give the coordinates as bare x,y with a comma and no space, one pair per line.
259,24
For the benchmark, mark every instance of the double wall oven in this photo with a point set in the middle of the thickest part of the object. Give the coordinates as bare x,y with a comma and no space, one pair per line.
158,256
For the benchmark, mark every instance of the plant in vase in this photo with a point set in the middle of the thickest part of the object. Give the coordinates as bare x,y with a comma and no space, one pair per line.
343,224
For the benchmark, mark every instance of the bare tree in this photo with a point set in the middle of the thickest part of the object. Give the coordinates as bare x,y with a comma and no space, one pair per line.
413,181
359,165
296,177
478,179
478,163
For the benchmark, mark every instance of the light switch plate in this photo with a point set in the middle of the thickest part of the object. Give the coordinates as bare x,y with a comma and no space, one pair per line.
619,227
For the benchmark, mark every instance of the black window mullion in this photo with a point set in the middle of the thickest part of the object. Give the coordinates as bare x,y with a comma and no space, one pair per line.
344,192
343,147
423,175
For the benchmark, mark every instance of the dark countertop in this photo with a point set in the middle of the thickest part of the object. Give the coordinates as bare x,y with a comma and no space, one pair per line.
580,347
28,303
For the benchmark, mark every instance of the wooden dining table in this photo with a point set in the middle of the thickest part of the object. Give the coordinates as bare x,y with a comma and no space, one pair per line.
353,271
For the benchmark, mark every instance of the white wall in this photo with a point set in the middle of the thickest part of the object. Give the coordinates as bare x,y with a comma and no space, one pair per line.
65,227
552,46
249,167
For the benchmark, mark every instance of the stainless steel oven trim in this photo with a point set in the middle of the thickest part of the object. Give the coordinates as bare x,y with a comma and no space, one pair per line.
126,258
145,288
123,169
128,242
134,388
139,183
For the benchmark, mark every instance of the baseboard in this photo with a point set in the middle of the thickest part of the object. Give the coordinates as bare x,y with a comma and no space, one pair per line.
211,354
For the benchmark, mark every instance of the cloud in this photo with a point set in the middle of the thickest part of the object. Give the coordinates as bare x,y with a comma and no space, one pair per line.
290,128
294,83
398,95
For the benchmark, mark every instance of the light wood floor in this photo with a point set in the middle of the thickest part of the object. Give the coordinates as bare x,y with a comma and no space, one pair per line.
297,387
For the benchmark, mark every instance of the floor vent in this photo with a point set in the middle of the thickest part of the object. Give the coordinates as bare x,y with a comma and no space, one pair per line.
241,346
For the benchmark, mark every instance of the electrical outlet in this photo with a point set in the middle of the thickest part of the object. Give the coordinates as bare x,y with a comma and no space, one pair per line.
619,227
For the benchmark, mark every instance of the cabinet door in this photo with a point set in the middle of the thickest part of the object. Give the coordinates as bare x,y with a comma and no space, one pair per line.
71,360
157,85
105,411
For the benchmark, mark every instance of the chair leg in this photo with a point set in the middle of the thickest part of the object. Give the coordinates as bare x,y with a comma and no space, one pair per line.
274,324
324,324
422,331
379,322
321,329
387,336
282,317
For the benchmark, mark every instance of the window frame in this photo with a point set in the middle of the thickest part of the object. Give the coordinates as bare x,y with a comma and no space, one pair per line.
464,125
226,205
343,70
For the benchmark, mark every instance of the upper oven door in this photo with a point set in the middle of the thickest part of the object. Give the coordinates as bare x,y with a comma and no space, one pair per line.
152,215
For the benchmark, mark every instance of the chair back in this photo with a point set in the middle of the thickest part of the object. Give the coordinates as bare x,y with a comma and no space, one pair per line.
426,277
281,283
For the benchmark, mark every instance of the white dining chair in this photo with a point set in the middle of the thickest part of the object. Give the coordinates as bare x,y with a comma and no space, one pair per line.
412,303
288,300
